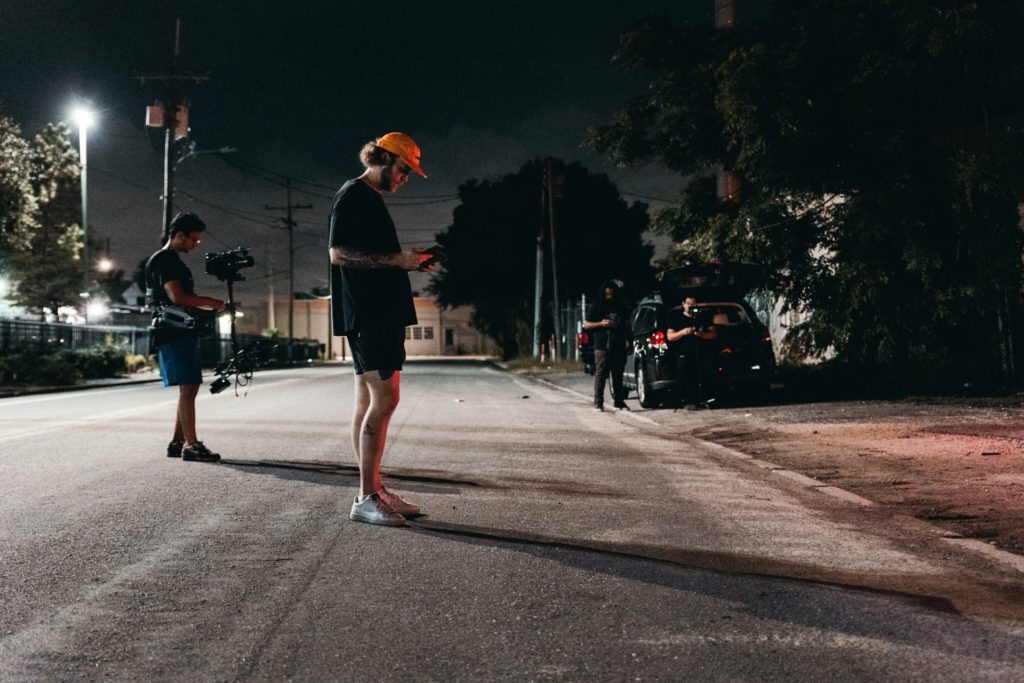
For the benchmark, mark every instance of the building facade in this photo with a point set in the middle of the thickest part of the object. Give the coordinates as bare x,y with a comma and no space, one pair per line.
438,332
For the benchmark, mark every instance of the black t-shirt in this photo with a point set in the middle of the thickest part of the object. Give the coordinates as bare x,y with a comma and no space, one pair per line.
609,338
365,298
166,266
677,321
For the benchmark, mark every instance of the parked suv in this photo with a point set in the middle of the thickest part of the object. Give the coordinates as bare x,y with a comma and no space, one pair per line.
740,357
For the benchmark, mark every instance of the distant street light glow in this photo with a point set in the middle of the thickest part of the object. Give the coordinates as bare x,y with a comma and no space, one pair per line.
105,265
97,310
83,116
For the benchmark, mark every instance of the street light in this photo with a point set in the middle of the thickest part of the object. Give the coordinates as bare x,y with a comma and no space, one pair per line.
84,117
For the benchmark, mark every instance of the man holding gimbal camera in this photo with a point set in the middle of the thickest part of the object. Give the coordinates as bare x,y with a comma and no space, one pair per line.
169,284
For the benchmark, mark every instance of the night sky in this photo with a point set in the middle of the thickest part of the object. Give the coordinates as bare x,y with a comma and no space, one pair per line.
297,88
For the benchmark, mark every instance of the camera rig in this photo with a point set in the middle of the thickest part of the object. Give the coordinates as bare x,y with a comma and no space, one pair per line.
226,266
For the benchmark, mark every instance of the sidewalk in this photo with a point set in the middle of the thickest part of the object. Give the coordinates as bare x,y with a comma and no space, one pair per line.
955,464
153,375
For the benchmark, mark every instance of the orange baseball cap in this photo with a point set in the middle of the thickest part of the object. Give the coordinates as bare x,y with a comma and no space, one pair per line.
405,147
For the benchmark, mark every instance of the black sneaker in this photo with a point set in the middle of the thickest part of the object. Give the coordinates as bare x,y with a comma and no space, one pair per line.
174,449
198,451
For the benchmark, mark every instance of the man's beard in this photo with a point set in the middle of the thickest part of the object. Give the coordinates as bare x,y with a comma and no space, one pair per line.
387,180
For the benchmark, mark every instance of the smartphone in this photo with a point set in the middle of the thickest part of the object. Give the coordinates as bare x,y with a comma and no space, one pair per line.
437,255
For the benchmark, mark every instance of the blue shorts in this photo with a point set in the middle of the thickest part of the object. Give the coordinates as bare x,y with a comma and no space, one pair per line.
179,362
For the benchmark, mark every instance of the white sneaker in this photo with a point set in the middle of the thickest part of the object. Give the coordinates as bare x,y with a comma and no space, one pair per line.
372,509
397,504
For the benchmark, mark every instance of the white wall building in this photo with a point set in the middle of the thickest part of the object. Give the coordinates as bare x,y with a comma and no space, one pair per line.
438,332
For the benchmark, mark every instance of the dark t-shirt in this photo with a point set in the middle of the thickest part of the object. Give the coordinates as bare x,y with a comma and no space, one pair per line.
166,266
365,298
609,338
678,321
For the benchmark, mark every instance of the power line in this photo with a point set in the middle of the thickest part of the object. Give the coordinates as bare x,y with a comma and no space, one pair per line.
625,193
253,168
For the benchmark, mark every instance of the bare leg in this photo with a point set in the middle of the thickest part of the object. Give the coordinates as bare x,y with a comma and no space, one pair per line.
362,404
383,395
185,425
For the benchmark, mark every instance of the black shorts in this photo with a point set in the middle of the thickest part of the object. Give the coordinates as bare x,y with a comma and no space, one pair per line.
377,349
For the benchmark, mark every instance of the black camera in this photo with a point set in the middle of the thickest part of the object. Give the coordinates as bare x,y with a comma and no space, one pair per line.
225,265
242,366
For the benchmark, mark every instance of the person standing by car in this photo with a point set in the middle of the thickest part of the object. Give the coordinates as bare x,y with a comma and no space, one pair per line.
169,283
371,303
608,321
689,333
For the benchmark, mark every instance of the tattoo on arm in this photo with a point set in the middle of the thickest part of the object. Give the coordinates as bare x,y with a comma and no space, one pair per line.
352,257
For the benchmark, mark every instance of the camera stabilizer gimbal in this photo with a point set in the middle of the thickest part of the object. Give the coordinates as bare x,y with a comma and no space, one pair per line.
226,267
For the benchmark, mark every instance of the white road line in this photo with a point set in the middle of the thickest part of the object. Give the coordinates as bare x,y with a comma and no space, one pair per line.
64,425
64,395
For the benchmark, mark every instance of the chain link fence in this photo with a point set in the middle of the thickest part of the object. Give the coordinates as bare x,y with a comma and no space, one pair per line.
30,336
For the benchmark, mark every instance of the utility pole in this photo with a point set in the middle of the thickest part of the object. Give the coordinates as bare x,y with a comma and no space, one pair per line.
728,185
538,282
554,189
290,226
271,313
173,118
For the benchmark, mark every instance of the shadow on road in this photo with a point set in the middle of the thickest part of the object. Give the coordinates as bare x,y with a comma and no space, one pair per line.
419,480
868,605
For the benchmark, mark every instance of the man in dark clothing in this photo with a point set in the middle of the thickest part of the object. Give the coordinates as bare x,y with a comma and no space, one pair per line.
371,303
169,283
608,323
688,336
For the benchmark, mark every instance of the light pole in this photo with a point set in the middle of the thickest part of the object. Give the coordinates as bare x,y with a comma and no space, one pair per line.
84,118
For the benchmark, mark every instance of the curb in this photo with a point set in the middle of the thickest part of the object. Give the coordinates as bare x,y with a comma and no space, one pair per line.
34,391
980,547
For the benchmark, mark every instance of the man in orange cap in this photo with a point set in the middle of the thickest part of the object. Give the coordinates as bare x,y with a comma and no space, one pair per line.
371,303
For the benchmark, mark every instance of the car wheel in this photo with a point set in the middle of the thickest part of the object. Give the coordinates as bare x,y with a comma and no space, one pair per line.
643,393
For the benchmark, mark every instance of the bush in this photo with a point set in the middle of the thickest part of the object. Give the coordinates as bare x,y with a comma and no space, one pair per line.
56,370
67,367
31,368
97,362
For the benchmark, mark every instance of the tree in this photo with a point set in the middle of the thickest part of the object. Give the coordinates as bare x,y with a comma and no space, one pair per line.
879,147
46,267
491,246
17,201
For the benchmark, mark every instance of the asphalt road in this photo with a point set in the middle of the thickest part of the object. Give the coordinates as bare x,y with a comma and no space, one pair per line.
560,544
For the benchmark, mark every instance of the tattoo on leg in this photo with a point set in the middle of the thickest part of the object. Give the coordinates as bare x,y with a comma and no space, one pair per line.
369,430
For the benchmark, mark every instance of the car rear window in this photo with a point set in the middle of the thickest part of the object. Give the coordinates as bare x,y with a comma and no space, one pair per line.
725,313
644,321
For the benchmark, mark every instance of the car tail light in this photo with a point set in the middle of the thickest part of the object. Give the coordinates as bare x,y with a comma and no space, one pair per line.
584,338
766,334
657,340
